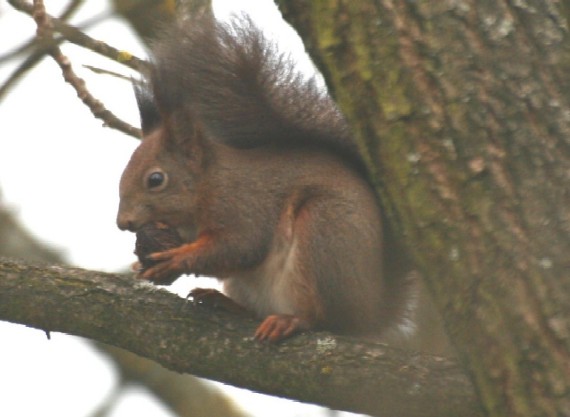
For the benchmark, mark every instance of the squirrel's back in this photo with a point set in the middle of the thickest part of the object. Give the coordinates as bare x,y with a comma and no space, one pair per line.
240,89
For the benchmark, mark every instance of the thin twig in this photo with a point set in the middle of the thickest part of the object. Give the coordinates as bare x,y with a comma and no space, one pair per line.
31,44
30,62
103,71
45,31
34,50
77,37
71,8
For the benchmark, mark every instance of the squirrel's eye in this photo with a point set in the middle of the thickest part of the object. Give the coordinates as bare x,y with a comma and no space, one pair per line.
156,180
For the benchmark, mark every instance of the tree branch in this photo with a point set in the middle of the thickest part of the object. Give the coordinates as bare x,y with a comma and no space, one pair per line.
320,368
34,50
79,38
177,392
45,31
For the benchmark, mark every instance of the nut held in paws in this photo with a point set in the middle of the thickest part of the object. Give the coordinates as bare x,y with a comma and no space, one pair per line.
155,237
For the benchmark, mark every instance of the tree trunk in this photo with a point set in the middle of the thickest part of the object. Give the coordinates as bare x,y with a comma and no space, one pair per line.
462,110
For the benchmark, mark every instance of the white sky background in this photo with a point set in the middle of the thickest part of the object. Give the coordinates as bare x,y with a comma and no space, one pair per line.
59,173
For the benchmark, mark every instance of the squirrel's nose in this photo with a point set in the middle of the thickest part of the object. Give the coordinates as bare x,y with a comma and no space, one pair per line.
126,226
125,223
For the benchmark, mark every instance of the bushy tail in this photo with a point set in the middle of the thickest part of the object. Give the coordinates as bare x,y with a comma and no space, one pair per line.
242,90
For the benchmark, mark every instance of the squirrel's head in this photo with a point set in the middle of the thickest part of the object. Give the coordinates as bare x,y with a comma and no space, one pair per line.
158,185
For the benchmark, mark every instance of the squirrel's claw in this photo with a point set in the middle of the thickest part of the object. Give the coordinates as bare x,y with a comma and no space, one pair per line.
171,264
163,256
174,262
277,327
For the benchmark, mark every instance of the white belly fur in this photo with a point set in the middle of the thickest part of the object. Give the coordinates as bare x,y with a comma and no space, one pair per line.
268,289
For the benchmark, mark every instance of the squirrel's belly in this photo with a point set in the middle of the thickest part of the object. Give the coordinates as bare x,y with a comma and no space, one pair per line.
269,288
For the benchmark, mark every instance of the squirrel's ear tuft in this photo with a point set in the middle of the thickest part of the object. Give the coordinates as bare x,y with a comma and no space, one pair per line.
148,111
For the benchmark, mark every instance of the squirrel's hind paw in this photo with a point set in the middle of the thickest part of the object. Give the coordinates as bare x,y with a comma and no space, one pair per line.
280,326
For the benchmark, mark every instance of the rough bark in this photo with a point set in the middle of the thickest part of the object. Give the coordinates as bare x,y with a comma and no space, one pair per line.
183,394
462,110
320,368
178,392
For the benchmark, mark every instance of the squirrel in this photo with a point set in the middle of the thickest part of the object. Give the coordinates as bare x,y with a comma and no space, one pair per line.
254,165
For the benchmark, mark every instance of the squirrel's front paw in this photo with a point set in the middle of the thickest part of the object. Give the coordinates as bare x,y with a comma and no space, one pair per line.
170,264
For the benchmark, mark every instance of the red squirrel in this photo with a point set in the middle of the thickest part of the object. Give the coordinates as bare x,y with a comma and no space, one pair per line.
254,166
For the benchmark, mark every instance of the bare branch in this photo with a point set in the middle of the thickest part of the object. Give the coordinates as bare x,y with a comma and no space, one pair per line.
335,371
103,71
34,50
79,38
30,44
45,31
71,8
29,63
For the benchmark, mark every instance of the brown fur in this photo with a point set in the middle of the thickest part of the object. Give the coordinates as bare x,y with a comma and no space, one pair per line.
264,184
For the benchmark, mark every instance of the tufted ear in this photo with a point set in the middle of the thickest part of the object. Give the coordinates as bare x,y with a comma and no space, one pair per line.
184,134
148,111
177,130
